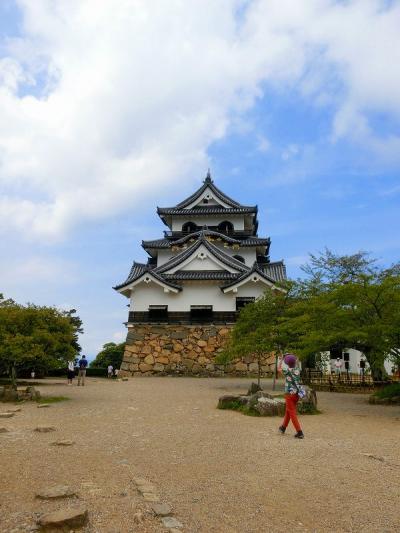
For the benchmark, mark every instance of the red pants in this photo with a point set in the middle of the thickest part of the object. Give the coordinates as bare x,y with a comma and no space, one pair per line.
290,413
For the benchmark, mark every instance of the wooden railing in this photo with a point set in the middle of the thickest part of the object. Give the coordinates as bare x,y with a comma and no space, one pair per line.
344,382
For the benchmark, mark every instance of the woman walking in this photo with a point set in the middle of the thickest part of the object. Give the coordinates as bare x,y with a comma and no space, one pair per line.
71,371
293,392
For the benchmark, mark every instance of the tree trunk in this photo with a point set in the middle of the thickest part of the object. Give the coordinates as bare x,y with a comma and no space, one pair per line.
275,372
13,376
377,367
259,370
379,373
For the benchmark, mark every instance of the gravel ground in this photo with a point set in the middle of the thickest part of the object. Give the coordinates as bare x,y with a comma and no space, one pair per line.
220,471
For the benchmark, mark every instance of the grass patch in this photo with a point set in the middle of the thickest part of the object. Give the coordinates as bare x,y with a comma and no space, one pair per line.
52,399
388,392
236,405
246,409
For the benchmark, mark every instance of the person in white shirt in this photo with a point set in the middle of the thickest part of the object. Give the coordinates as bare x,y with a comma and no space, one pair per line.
110,370
338,366
71,371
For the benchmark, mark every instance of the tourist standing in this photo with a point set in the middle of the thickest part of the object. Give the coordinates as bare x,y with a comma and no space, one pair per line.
82,370
110,370
71,371
362,368
293,392
338,366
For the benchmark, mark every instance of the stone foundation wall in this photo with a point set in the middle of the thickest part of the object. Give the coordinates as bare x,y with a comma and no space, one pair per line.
183,350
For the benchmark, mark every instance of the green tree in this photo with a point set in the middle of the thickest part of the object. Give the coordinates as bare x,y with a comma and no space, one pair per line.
347,301
35,337
111,354
258,330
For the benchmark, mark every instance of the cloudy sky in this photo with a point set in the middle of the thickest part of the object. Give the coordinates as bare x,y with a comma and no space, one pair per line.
110,108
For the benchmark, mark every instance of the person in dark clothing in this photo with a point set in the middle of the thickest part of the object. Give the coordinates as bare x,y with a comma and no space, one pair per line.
82,364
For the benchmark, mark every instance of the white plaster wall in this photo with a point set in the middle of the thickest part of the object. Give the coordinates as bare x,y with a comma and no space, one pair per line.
193,263
164,256
252,288
248,254
192,294
202,264
211,199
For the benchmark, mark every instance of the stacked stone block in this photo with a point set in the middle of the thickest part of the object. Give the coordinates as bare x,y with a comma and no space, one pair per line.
183,349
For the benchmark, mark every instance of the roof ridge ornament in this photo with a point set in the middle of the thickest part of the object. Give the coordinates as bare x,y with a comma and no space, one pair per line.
208,177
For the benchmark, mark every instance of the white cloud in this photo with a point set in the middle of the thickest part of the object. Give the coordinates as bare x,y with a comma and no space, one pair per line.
123,99
34,269
263,144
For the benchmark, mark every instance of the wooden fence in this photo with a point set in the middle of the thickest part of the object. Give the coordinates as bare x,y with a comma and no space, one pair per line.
344,382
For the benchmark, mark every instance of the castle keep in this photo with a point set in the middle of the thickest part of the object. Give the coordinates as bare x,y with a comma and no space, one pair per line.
186,298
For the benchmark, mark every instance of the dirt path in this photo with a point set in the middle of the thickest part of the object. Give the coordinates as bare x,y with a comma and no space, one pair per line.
220,471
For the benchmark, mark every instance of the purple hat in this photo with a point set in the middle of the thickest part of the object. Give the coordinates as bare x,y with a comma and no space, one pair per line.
290,359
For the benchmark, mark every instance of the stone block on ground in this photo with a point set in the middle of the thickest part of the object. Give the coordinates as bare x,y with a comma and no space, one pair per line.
43,405
270,407
150,497
63,519
225,401
170,522
56,492
6,415
44,429
3,430
145,488
63,443
161,509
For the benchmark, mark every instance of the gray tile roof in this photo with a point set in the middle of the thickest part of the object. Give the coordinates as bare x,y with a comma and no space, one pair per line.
276,270
158,243
182,275
256,268
208,182
208,233
222,256
138,269
210,210
166,243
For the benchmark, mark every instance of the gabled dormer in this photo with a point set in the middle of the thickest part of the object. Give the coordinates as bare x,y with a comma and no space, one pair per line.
209,205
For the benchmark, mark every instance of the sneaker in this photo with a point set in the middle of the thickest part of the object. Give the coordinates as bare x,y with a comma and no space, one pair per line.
282,429
299,435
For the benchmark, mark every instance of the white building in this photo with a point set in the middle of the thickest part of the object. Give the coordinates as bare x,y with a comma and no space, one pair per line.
209,263
354,359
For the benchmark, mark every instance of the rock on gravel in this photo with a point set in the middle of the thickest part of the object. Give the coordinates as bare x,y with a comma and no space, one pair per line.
171,522
57,491
161,509
43,405
63,443
70,518
143,489
138,517
6,415
44,429
14,409
150,497
3,430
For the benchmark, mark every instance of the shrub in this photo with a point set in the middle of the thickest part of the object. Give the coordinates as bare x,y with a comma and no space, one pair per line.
388,392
